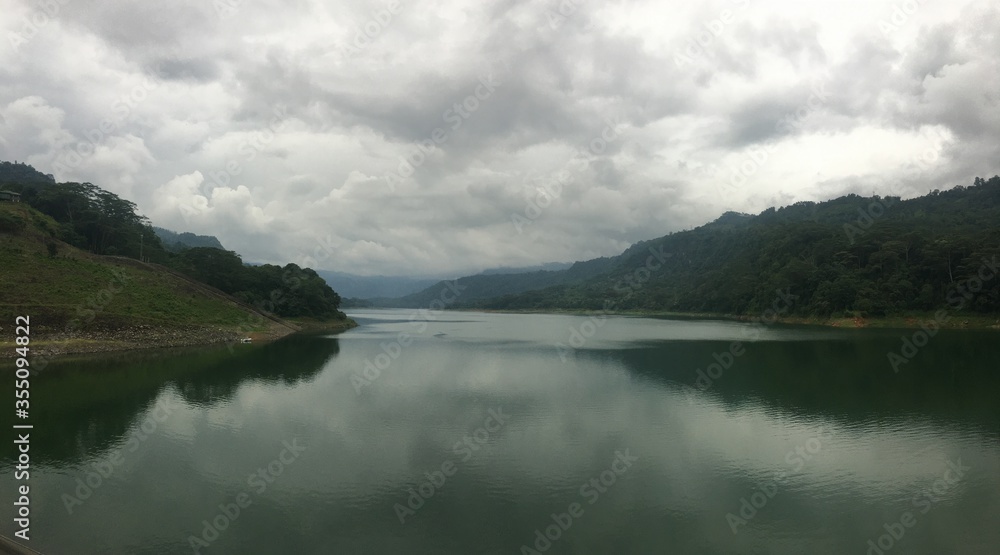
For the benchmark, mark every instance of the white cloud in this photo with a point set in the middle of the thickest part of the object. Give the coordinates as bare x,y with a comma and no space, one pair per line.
320,178
31,128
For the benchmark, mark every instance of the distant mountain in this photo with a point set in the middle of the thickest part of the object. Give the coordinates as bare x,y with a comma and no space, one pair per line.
549,267
490,285
176,242
370,287
349,302
364,291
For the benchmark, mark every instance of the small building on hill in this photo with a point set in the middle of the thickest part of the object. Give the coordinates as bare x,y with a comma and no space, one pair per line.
10,196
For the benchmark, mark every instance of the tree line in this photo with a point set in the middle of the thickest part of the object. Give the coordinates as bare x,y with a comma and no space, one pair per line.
851,256
103,223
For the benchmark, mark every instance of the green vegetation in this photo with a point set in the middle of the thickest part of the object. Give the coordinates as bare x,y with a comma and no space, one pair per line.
17,173
110,390
89,218
93,219
287,292
478,288
93,291
848,257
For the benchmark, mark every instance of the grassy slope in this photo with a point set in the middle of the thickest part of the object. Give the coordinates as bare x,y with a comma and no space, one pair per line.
58,290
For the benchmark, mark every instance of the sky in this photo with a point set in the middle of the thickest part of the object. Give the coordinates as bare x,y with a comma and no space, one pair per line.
440,138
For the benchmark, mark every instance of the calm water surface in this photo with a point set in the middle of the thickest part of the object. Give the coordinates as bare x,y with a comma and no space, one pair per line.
474,433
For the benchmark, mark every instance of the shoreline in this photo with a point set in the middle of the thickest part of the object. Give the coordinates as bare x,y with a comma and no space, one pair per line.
146,337
142,337
915,321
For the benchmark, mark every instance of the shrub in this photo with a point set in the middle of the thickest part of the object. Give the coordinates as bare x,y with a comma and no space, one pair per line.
10,223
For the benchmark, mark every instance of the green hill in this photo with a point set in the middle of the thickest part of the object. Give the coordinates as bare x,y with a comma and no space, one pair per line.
20,173
847,257
84,222
481,287
78,301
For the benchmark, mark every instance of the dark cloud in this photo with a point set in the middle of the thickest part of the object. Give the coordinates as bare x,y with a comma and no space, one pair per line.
138,27
757,120
807,101
195,69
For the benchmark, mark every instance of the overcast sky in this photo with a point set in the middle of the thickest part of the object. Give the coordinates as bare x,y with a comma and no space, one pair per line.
282,127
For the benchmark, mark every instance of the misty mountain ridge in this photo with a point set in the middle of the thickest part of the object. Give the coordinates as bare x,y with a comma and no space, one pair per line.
370,287
864,256
391,287
489,285
548,267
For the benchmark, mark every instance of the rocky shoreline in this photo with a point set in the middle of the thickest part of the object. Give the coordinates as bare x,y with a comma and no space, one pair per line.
146,336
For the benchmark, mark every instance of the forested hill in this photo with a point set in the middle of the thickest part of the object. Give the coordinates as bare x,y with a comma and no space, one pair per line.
851,256
478,288
20,173
100,222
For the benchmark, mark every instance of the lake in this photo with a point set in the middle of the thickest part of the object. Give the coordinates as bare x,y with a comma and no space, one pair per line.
475,433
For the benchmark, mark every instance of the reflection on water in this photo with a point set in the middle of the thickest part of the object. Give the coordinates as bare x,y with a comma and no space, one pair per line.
806,441
88,404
